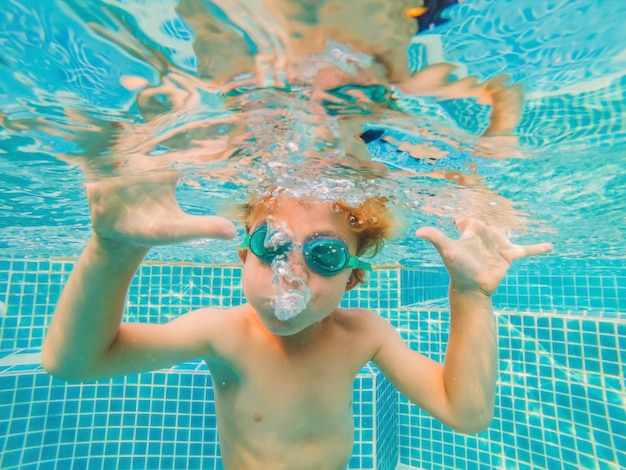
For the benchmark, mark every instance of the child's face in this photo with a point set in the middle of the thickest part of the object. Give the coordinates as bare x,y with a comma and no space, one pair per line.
266,284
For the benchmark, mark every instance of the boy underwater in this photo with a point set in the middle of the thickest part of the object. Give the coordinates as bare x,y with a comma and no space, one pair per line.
284,362
283,370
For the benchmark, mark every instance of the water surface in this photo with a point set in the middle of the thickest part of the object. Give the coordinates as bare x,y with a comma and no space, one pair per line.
94,89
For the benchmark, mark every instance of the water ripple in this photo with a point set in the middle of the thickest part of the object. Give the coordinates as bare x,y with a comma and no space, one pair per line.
112,86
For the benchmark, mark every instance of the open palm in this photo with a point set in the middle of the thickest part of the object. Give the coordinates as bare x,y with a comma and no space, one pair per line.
143,211
481,256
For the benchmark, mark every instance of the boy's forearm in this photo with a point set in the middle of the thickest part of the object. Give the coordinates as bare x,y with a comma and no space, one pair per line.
470,366
88,315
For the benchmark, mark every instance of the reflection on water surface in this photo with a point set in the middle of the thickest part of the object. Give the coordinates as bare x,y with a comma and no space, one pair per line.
319,97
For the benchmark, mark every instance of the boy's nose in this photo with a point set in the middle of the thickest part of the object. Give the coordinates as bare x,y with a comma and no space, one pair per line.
296,263
289,274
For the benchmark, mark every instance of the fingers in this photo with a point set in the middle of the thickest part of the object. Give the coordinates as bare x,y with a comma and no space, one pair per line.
433,235
497,82
438,238
473,225
498,237
463,224
507,107
534,250
195,226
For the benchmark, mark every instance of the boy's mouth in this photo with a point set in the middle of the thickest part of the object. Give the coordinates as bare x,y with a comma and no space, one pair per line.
291,294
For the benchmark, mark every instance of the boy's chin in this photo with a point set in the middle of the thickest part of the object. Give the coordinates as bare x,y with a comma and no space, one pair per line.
289,327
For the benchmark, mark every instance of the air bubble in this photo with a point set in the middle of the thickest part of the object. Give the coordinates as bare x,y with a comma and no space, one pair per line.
291,292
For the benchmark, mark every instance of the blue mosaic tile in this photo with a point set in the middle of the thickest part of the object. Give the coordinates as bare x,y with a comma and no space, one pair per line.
561,347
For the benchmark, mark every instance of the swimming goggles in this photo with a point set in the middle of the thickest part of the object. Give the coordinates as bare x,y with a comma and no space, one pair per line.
325,253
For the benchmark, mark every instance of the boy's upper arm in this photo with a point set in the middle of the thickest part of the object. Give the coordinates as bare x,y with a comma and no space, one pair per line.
142,347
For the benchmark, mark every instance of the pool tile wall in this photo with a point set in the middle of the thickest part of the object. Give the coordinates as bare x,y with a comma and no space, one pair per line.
160,420
387,446
586,288
375,405
561,389
561,396
560,403
28,293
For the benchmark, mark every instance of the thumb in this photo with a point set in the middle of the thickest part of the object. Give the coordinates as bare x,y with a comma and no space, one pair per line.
209,226
433,235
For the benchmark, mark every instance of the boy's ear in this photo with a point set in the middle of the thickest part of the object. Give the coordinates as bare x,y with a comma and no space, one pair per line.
243,255
352,281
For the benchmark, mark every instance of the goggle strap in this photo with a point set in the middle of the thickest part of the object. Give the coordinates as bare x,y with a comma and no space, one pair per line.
355,262
245,243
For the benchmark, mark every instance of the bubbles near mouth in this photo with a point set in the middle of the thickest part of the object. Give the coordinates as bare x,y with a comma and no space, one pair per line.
291,292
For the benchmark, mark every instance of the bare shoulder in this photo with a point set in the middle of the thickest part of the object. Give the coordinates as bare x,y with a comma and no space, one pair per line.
366,326
360,318
211,325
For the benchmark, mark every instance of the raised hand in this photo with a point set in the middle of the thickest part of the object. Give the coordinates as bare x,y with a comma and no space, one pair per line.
480,257
143,211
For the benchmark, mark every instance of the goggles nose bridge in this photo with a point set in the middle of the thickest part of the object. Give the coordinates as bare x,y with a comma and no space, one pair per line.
294,255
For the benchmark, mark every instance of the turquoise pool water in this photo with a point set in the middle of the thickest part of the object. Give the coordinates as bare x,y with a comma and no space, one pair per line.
562,333
560,390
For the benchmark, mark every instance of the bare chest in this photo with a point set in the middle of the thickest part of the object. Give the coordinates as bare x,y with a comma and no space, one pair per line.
286,412
298,391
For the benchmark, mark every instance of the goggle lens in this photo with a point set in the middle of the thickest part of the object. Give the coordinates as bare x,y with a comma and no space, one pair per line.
261,250
326,256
